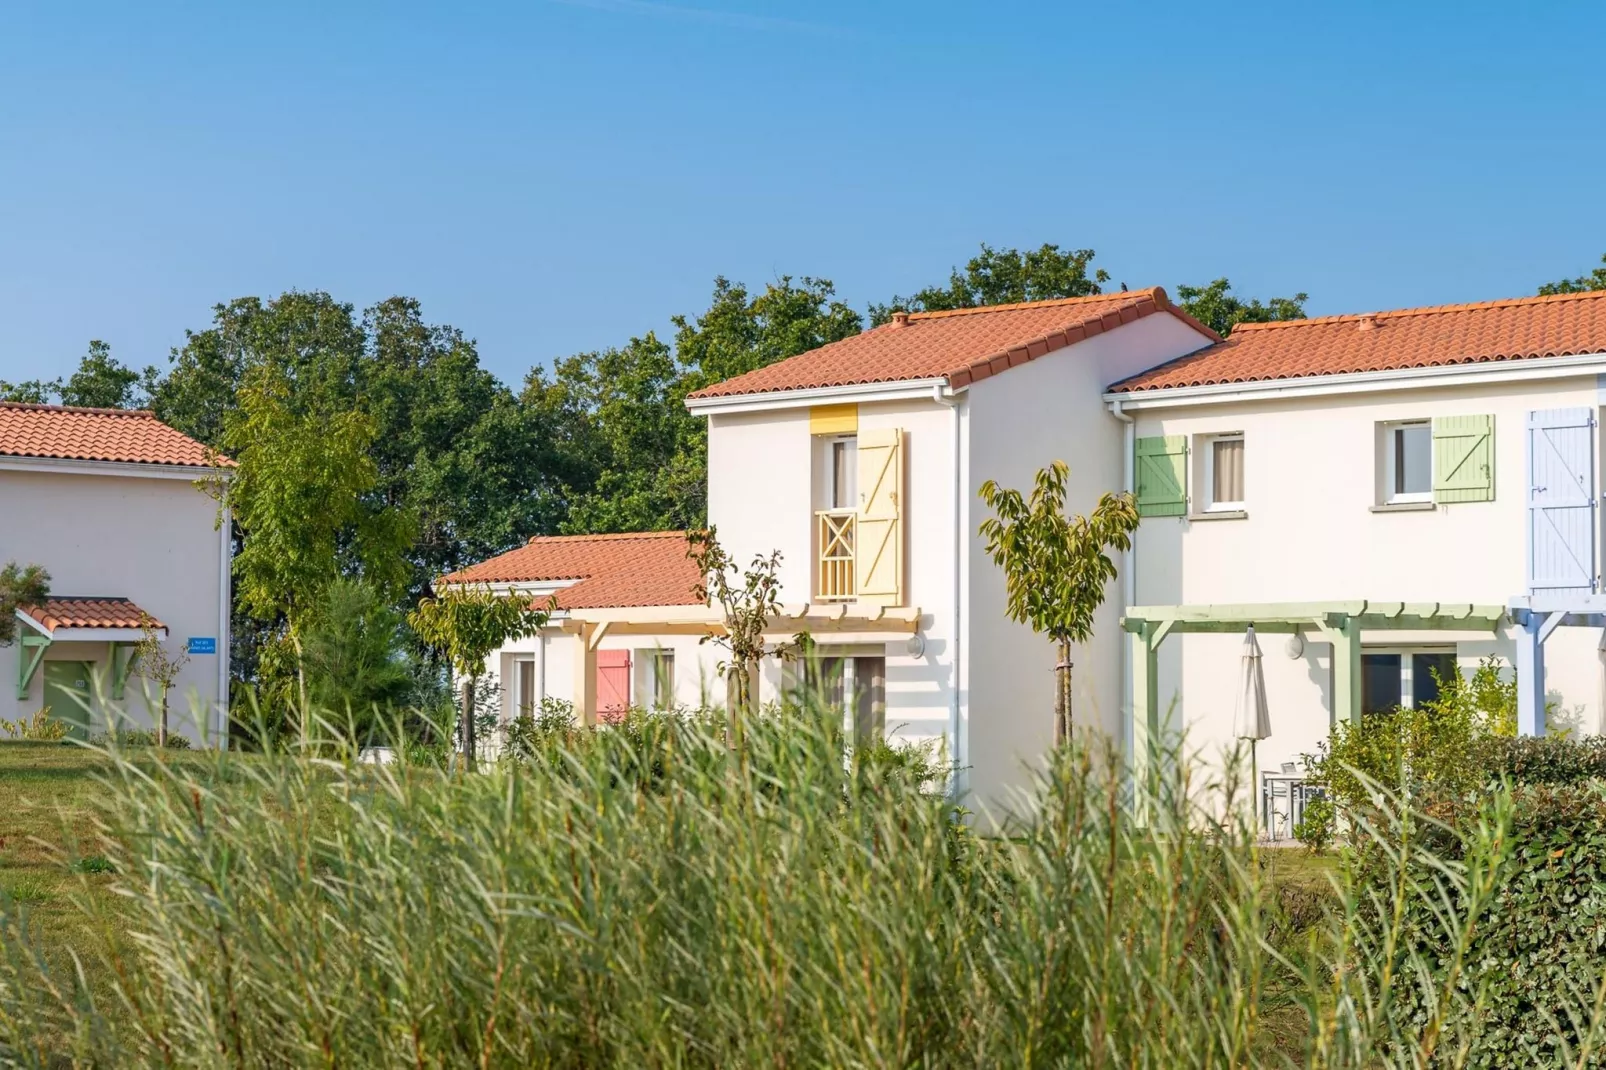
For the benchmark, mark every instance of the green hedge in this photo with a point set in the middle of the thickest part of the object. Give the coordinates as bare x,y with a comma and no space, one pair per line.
1549,760
1541,944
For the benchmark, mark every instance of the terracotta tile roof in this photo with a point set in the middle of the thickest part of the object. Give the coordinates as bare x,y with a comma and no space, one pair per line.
637,569
67,612
68,433
1515,329
962,346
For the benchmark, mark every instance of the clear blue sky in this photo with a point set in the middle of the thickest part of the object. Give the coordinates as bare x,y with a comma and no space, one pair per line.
558,176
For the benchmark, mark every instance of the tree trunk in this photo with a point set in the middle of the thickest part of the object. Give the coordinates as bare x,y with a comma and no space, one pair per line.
1062,695
161,725
468,723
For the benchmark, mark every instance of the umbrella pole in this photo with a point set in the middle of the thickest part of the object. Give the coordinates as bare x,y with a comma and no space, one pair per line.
1254,783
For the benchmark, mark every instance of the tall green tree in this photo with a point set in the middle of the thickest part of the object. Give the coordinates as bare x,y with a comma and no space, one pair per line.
1595,280
1056,567
102,382
633,458
1218,308
29,391
301,497
352,656
468,624
20,585
453,445
1005,276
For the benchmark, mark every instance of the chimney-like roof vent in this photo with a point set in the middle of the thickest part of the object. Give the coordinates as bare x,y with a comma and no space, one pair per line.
1368,323
900,319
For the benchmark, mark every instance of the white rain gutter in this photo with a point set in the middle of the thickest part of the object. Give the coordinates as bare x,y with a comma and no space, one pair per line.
949,400
1523,369
1129,564
902,390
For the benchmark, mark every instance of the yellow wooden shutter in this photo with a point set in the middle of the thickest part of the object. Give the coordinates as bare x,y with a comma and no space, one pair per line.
878,547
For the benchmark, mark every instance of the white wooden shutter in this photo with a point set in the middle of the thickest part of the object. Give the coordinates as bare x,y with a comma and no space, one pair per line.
878,544
1561,502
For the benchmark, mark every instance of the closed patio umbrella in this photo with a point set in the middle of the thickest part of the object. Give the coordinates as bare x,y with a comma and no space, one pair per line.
1252,720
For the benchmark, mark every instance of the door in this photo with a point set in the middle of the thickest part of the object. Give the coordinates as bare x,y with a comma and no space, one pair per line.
613,682
1561,502
67,695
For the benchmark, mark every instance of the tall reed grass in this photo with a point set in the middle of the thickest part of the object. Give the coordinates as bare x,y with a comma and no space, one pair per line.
648,897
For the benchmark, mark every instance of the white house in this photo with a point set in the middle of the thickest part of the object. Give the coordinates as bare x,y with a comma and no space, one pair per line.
106,501
860,462
1385,497
1391,495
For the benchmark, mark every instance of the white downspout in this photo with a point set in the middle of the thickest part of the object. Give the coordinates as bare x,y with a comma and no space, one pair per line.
945,397
1129,577
225,599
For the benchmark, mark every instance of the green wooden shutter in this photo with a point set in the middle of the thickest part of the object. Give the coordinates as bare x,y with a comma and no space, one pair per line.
1162,471
1463,459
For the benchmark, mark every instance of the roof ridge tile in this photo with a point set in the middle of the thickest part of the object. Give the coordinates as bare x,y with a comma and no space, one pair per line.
1048,302
1425,310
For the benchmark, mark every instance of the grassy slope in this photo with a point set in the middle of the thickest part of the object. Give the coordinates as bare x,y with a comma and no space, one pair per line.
45,794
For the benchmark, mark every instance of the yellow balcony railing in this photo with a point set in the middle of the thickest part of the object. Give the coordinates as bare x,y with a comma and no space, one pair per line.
836,581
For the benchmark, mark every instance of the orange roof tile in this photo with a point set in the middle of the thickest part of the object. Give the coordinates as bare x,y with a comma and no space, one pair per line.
67,612
1514,329
962,346
68,433
635,569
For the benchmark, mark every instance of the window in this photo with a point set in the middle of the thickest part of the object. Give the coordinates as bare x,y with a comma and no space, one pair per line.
1391,678
1407,462
1224,473
655,679
841,473
524,678
829,681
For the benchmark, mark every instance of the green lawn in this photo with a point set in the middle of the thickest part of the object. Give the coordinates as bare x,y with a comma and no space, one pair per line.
46,791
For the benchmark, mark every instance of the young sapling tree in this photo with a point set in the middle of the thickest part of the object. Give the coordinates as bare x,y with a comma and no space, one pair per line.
1056,567
157,666
468,624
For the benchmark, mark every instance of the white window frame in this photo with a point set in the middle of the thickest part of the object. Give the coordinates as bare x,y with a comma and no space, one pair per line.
1208,442
1391,462
1407,671
831,443
649,660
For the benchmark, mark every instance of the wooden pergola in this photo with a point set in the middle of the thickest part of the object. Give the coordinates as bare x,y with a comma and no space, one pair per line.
836,622
1338,623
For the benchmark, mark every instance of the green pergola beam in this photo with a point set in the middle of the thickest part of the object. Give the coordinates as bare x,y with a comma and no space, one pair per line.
28,659
1338,623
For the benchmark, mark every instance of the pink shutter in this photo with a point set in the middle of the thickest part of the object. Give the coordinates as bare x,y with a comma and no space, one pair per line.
613,684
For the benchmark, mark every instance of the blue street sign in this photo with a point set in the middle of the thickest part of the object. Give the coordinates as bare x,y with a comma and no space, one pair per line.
202,644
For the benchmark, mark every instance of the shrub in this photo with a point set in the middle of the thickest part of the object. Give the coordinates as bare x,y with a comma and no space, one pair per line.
1544,760
40,728
1440,748
139,737
1538,948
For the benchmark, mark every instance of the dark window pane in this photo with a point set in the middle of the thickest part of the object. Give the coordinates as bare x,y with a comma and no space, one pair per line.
1380,682
1424,688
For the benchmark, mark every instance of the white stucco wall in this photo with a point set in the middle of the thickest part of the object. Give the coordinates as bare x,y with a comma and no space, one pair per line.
762,496
152,540
1311,478
1020,421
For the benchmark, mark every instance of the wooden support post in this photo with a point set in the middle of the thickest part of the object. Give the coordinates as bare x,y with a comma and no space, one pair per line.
1144,745
1344,632
585,674
1531,675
